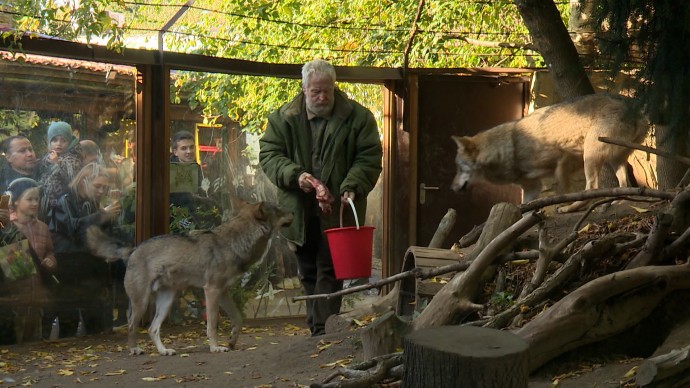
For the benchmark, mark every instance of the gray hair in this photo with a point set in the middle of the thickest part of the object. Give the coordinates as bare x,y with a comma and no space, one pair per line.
319,67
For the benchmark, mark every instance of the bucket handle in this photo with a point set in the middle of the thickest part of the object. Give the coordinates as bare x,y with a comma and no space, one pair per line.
352,205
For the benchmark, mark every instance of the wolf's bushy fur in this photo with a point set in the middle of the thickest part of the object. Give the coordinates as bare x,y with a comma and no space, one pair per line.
213,260
552,142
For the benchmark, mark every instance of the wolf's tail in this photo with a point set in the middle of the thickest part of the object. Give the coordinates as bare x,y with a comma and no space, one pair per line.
102,245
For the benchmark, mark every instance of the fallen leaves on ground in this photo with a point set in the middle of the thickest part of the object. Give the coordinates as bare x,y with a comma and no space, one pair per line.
190,378
338,363
323,345
70,361
116,373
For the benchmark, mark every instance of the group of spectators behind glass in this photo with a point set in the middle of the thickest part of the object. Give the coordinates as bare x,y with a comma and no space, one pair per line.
70,181
66,188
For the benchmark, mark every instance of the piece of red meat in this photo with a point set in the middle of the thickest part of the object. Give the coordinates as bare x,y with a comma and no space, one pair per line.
323,195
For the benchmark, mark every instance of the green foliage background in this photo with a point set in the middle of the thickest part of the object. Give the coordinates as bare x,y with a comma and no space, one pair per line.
347,33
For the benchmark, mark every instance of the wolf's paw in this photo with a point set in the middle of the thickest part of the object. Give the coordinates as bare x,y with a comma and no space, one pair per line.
167,352
568,208
561,210
219,349
135,351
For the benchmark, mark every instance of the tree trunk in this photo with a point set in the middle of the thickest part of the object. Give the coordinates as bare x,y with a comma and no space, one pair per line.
580,27
669,172
599,309
467,356
551,36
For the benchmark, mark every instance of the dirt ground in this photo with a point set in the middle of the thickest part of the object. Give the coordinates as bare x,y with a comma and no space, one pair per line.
270,353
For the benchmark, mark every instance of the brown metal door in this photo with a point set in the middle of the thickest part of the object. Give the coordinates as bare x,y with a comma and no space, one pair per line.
457,105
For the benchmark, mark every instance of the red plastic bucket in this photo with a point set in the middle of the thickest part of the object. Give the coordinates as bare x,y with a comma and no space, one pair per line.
351,248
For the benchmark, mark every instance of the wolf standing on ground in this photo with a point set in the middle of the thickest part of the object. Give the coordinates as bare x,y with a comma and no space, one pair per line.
553,141
214,259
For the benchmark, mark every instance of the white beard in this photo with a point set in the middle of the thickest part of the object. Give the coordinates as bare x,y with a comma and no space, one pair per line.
320,110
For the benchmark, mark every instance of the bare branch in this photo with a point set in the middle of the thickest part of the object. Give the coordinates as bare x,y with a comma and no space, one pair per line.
616,192
422,273
650,253
560,277
665,154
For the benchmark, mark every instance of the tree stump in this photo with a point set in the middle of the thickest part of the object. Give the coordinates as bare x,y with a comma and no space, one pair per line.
383,336
464,356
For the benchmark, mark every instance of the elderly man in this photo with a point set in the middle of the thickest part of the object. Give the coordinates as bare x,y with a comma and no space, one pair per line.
320,139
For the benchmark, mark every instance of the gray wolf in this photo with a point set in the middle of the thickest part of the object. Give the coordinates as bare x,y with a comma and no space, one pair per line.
554,141
214,259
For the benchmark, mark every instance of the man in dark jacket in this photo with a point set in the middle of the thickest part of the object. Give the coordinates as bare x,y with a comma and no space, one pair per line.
320,136
20,161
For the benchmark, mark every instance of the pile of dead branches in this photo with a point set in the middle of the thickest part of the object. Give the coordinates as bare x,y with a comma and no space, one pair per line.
597,278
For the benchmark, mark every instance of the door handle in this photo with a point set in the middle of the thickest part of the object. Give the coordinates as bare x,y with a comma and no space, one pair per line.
422,192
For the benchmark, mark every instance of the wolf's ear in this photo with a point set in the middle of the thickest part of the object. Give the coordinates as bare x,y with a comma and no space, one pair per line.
465,145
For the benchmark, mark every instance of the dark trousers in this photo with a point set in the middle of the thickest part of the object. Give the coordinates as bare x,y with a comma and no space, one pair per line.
84,289
318,276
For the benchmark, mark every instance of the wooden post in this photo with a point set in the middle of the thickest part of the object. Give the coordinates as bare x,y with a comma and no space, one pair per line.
383,336
464,356
447,223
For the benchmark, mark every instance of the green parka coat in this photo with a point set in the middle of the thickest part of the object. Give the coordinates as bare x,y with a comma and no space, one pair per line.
351,162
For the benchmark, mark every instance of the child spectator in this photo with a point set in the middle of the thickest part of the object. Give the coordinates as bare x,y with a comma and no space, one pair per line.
59,165
30,293
24,207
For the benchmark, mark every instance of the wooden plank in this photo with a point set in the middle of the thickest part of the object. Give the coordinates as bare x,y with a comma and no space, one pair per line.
130,56
429,288
426,262
193,62
438,253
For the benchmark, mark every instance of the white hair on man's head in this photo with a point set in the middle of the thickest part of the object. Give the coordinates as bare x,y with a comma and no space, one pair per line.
319,67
